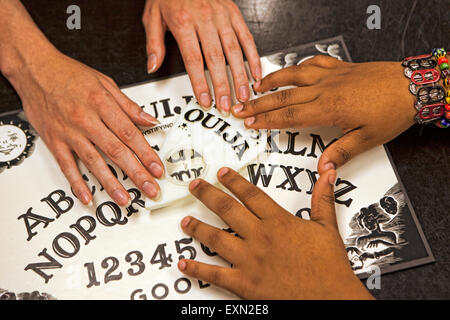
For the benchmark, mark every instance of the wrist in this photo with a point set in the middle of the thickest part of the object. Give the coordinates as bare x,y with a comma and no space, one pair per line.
30,68
403,99
23,47
23,58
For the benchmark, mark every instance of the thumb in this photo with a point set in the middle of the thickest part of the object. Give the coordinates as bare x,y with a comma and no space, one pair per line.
343,150
155,30
322,202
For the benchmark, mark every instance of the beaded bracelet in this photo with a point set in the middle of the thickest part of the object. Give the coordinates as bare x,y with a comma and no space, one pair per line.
430,96
441,56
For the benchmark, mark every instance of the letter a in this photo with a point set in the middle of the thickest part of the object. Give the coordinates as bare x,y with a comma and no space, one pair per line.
74,20
37,220
374,20
374,281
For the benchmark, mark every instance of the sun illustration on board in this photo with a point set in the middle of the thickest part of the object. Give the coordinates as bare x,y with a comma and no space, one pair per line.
16,143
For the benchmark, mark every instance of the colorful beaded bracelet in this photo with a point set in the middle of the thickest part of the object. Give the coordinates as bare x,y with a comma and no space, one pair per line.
432,100
440,56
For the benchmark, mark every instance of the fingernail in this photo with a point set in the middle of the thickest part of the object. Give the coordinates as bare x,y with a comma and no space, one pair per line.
121,198
149,118
225,114
85,199
243,93
185,222
249,121
205,100
194,184
332,178
156,170
328,166
225,104
158,195
238,108
152,63
222,172
182,265
149,189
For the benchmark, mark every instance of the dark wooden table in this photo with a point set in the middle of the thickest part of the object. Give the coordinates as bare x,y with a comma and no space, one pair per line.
112,40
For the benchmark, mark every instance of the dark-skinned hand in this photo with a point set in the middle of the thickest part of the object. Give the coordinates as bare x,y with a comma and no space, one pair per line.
277,255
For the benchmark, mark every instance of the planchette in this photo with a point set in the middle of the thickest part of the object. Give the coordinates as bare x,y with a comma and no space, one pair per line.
199,143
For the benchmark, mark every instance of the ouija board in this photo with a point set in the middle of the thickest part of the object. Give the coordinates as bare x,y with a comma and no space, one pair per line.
53,247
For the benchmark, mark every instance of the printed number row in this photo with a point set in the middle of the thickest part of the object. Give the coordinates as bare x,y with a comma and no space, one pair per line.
136,261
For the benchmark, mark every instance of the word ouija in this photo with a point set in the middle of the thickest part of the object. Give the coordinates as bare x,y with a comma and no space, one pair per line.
237,142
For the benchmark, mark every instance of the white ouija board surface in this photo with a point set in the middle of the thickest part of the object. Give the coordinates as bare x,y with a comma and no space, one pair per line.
53,247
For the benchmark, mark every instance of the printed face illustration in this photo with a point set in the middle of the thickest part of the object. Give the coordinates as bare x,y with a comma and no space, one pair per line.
12,142
368,218
389,205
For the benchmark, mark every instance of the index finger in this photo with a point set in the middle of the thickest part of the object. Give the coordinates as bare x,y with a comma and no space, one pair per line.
121,155
275,101
226,207
300,75
256,200
119,123
306,115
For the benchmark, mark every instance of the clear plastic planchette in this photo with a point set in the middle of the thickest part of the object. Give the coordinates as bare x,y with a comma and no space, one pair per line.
199,143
